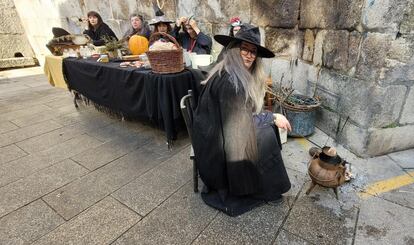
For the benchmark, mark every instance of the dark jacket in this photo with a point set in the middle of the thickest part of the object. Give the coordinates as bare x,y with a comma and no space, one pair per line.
145,32
98,34
237,153
202,45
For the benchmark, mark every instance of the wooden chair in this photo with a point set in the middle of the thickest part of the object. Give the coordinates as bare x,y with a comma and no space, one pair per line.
187,104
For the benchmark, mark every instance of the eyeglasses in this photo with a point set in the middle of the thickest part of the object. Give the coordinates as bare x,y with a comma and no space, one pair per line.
245,51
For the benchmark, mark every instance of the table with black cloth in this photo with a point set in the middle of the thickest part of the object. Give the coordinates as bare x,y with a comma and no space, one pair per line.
136,94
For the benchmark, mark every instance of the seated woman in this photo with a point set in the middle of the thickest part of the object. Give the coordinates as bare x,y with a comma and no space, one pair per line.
138,27
97,29
192,39
236,144
160,22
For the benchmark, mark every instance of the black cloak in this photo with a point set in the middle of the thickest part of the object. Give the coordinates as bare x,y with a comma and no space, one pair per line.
237,153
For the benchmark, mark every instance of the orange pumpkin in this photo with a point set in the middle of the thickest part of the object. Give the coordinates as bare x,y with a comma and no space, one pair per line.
138,44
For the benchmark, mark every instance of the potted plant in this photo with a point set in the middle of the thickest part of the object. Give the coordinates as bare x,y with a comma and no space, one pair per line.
113,47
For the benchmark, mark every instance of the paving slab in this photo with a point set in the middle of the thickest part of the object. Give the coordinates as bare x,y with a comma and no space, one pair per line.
404,158
295,154
178,220
100,224
35,186
383,222
57,136
42,116
285,237
24,166
27,132
109,151
28,223
155,186
27,111
7,126
72,199
10,153
320,224
258,226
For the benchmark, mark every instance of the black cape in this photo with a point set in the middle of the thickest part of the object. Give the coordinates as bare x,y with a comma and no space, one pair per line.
98,34
237,153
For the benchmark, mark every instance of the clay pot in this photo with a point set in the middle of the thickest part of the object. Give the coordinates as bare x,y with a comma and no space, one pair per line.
326,174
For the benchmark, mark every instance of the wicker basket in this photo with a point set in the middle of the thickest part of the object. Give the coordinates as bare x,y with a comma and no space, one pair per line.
165,61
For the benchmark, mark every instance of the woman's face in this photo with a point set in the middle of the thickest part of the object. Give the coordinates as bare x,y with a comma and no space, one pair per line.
136,22
162,27
248,53
93,20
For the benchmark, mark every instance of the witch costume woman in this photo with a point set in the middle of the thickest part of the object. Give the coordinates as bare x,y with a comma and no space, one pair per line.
236,144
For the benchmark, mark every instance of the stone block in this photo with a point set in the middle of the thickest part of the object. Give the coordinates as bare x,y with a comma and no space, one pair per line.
386,104
27,132
101,224
285,42
275,13
354,48
381,220
318,51
152,188
386,140
308,45
318,14
407,115
407,25
28,224
74,198
10,22
6,4
335,50
24,191
348,13
384,16
11,44
10,153
7,126
313,221
102,7
178,220
69,9
404,158
374,50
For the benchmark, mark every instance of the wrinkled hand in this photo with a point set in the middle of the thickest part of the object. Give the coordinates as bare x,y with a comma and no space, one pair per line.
281,121
181,20
193,25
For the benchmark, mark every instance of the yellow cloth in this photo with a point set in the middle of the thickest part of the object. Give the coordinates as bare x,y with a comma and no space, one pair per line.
53,71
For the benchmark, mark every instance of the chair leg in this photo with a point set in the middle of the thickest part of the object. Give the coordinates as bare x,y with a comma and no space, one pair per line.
195,176
335,189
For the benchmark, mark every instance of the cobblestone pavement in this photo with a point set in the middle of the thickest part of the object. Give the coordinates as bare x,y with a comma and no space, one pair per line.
78,176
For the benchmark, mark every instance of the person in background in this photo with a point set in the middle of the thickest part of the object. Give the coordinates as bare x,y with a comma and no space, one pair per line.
160,22
236,143
191,38
235,25
138,27
97,29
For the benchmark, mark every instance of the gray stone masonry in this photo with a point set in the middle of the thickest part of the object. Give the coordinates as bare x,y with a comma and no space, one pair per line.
363,48
87,178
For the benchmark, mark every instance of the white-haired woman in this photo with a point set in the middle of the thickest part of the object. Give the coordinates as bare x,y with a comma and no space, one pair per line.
236,144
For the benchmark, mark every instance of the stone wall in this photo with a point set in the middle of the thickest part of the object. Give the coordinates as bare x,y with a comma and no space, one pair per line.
12,38
355,54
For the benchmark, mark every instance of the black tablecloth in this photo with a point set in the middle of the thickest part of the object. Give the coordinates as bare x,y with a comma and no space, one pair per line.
133,93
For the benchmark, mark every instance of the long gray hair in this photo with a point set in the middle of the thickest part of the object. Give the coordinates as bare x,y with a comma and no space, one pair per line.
250,81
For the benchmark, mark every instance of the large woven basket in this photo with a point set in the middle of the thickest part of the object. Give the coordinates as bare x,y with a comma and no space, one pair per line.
165,61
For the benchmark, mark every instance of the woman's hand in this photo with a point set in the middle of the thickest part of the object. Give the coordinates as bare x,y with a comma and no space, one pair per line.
281,121
180,21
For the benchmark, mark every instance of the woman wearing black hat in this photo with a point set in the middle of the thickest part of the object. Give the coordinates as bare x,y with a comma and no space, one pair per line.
236,144
97,29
